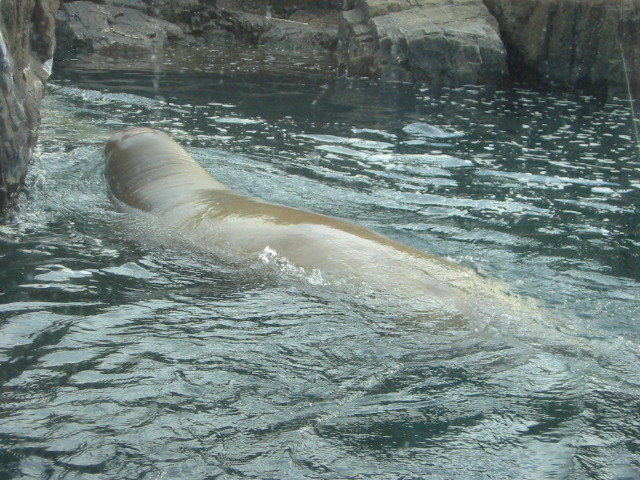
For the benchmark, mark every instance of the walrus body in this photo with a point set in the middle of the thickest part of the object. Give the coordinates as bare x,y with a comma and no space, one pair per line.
147,170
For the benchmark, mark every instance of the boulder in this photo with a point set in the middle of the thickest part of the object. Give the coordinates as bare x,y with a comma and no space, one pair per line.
286,8
111,27
190,15
26,50
244,25
442,42
589,44
135,4
319,31
301,30
110,30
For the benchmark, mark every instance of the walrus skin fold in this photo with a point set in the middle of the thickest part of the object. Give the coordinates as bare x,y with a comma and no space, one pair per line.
147,170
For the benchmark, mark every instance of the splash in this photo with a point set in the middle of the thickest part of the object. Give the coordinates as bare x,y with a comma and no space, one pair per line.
271,258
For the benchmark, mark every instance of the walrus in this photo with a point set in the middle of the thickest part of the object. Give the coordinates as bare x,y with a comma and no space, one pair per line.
147,170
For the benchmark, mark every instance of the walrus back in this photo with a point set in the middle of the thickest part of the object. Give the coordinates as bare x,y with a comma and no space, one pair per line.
147,170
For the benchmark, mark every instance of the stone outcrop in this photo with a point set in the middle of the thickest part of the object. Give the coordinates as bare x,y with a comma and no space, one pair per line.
120,27
592,44
294,24
26,50
190,15
111,30
442,42
308,32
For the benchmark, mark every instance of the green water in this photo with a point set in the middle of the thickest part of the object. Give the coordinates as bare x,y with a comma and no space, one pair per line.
127,353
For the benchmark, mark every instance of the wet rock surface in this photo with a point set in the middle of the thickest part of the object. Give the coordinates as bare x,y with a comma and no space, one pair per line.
26,49
121,26
110,29
589,44
446,43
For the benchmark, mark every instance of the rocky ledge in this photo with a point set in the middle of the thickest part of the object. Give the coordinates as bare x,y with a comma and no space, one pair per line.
116,27
434,41
593,45
112,29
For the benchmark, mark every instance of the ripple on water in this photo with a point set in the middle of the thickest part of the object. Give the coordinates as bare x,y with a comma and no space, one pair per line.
420,129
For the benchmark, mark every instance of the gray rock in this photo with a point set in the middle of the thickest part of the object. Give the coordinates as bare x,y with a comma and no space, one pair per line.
301,35
575,43
135,4
301,32
437,41
191,15
244,25
87,27
26,49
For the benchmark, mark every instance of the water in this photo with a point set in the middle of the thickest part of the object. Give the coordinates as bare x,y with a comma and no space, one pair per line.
126,352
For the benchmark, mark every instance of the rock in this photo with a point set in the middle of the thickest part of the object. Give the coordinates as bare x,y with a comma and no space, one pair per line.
244,25
191,15
26,50
587,44
169,8
304,31
109,30
135,4
286,8
437,41
109,27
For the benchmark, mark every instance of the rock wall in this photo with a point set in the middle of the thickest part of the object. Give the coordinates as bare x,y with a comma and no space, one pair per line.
442,42
110,29
26,50
592,45
121,27
589,44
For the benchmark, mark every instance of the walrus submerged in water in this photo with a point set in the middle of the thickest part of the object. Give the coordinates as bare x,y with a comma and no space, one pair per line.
147,170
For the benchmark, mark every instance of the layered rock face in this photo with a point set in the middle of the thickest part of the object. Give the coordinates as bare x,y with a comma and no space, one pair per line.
26,50
442,42
122,27
593,44
111,28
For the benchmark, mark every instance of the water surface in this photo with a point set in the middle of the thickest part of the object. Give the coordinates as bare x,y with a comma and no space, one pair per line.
126,352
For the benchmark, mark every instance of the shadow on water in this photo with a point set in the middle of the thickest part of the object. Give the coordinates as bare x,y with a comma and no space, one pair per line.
126,352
